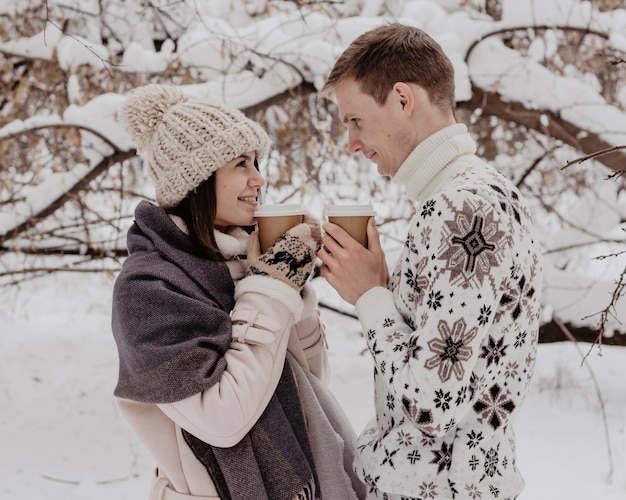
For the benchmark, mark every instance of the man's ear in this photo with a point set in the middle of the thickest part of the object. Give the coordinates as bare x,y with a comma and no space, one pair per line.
404,96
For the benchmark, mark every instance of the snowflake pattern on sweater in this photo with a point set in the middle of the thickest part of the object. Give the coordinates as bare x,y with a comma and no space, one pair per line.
454,341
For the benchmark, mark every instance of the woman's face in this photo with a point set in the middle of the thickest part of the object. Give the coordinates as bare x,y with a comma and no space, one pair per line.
237,187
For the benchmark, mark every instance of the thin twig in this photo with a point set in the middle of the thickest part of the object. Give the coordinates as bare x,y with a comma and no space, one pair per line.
59,480
337,310
618,291
595,154
569,335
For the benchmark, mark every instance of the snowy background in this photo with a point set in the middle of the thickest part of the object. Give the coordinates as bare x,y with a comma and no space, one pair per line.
289,46
60,434
61,437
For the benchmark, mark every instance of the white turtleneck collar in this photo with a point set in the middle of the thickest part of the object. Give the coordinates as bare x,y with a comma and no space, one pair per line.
234,247
427,165
232,244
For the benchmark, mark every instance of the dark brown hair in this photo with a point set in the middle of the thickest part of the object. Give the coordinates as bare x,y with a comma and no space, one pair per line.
198,211
393,53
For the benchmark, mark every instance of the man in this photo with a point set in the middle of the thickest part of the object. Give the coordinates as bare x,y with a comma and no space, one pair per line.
453,332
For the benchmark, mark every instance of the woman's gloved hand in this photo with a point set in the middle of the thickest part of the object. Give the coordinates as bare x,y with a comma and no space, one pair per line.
292,258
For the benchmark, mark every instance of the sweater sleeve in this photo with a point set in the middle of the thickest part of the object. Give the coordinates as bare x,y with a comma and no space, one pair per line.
425,336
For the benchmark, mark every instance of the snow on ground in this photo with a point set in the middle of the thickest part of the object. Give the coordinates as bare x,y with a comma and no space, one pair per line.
62,438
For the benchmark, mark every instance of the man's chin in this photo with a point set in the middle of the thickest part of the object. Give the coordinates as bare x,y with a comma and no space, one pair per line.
381,171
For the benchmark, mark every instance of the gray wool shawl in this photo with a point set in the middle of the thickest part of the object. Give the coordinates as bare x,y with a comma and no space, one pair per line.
171,323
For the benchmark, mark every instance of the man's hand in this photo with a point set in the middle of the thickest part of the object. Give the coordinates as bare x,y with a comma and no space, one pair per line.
350,268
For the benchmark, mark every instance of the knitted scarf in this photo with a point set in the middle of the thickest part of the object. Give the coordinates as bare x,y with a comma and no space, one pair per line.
172,327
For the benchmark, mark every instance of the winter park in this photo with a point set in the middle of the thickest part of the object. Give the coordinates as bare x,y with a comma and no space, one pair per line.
541,87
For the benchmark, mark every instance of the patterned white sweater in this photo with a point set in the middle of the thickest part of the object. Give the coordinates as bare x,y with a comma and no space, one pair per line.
454,336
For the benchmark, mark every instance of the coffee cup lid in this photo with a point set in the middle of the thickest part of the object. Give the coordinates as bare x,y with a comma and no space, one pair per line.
347,210
279,209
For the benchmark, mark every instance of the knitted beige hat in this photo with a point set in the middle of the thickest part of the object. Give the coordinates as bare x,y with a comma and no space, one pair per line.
186,140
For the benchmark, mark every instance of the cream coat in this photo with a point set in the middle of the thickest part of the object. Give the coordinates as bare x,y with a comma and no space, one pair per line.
222,415
265,326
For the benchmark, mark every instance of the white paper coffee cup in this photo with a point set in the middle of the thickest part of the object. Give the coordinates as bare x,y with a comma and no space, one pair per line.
275,220
352,219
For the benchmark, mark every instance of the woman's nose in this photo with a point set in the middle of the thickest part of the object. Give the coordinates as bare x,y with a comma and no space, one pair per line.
257,179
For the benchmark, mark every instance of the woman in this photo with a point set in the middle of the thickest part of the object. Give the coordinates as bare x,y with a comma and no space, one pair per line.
223,360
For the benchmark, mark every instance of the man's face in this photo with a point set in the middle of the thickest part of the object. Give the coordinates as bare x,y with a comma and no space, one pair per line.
383,134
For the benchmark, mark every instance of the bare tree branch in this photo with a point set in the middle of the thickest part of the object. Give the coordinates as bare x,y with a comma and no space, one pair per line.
81,184
609,310
593,156
556,127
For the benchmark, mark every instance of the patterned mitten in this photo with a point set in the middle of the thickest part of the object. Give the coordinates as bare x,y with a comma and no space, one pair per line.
316,228
291,259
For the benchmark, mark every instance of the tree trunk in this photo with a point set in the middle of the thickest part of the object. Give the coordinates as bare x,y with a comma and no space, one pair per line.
552,332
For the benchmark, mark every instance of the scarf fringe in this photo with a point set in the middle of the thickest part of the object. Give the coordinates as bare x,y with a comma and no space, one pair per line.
307,493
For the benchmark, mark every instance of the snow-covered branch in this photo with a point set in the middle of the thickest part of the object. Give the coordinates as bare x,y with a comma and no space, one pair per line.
541,86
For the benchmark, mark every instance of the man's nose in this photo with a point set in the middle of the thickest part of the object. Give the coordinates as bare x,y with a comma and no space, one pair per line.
354,144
